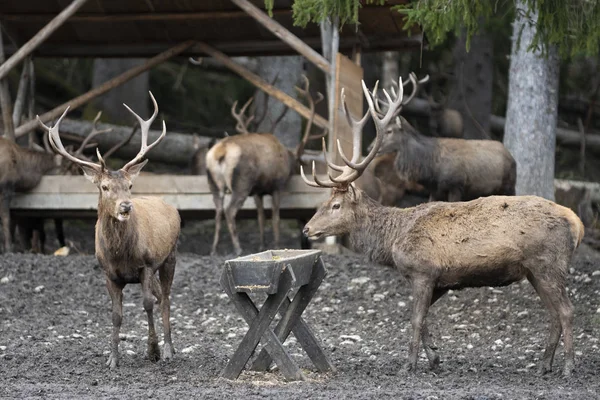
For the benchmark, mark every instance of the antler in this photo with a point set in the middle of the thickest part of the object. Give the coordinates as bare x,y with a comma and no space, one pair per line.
122,143
145,127
311,105
352,170
95,132
242,124
55,142
412,79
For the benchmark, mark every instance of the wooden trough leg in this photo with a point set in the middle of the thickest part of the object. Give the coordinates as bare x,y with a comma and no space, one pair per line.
291,321
259,326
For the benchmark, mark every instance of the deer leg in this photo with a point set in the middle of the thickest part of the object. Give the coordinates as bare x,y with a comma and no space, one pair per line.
423,293
454,195
565,312
236,202
275,217
60,231
116,295
428,345
218,200
147,278
166,273
548,297
260,213
5,196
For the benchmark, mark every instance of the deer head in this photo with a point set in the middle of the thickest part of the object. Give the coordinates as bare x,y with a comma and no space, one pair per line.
114,186
337,215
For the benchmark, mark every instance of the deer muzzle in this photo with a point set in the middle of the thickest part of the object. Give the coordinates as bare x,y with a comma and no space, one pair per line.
125,209
312,235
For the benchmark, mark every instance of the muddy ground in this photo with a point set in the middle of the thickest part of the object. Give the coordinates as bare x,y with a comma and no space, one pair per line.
55,325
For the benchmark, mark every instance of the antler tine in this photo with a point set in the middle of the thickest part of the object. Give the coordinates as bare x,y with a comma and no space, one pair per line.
55,142
95,132
413,79
145,128
316,181
242,125
122,143
330,164
357,127
311,106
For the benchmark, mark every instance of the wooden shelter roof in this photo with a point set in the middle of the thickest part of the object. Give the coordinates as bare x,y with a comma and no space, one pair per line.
143,28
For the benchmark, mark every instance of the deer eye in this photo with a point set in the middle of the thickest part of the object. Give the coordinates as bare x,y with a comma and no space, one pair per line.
336,206
105,188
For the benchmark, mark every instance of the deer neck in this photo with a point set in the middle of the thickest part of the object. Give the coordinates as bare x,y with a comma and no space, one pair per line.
117,239
416,158
377,228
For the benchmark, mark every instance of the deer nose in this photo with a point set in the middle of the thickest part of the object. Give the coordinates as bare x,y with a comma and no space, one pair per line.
305,231
126,206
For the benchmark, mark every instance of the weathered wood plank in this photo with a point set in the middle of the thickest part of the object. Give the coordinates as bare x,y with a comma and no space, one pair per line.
186,193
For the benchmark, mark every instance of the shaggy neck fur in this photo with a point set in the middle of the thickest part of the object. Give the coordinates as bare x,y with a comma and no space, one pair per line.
377,228
119,238
416,158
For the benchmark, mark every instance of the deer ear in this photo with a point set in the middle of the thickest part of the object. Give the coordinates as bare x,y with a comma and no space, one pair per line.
91,174
135,169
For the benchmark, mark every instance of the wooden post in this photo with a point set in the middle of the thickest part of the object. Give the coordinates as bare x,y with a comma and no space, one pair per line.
261,84
105,87
22,93
39,37
5,100
286,36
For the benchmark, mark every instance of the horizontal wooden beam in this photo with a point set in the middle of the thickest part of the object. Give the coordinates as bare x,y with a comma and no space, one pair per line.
186,193
263,84
136,17
231,48
282,33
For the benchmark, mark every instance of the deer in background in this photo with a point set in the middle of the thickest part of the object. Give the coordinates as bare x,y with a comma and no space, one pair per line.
253,164
491,241
450,169
135,238
21,170
31,229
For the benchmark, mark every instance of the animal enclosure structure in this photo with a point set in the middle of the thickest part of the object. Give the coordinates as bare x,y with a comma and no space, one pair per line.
167,29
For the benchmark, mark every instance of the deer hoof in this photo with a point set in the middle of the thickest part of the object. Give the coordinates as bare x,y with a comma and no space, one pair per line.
434,363
568,370
153,352
410,367
168,352
544,369
113,361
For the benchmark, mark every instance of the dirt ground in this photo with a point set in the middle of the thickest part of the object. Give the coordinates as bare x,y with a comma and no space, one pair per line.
55,325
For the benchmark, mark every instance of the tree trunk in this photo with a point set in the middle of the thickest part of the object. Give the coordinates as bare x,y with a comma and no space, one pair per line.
288,70
389,69
133,93
530,131
471,93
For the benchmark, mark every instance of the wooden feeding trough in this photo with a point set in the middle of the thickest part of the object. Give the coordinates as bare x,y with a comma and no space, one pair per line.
277,273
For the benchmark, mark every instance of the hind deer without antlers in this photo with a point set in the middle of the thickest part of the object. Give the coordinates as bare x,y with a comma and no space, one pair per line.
491,241
135,238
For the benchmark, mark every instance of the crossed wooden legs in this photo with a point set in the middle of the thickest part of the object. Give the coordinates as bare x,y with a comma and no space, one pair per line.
291,321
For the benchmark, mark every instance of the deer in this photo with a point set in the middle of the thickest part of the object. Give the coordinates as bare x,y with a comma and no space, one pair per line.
253,164
437,247
31,229
381,183
21,170
135,237
450,169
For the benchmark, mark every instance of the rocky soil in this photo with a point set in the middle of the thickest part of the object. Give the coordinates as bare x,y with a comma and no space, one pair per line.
55,326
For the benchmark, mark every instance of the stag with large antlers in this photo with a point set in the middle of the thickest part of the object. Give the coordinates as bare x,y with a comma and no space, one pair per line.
450,169
254,164
135,238
491,241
